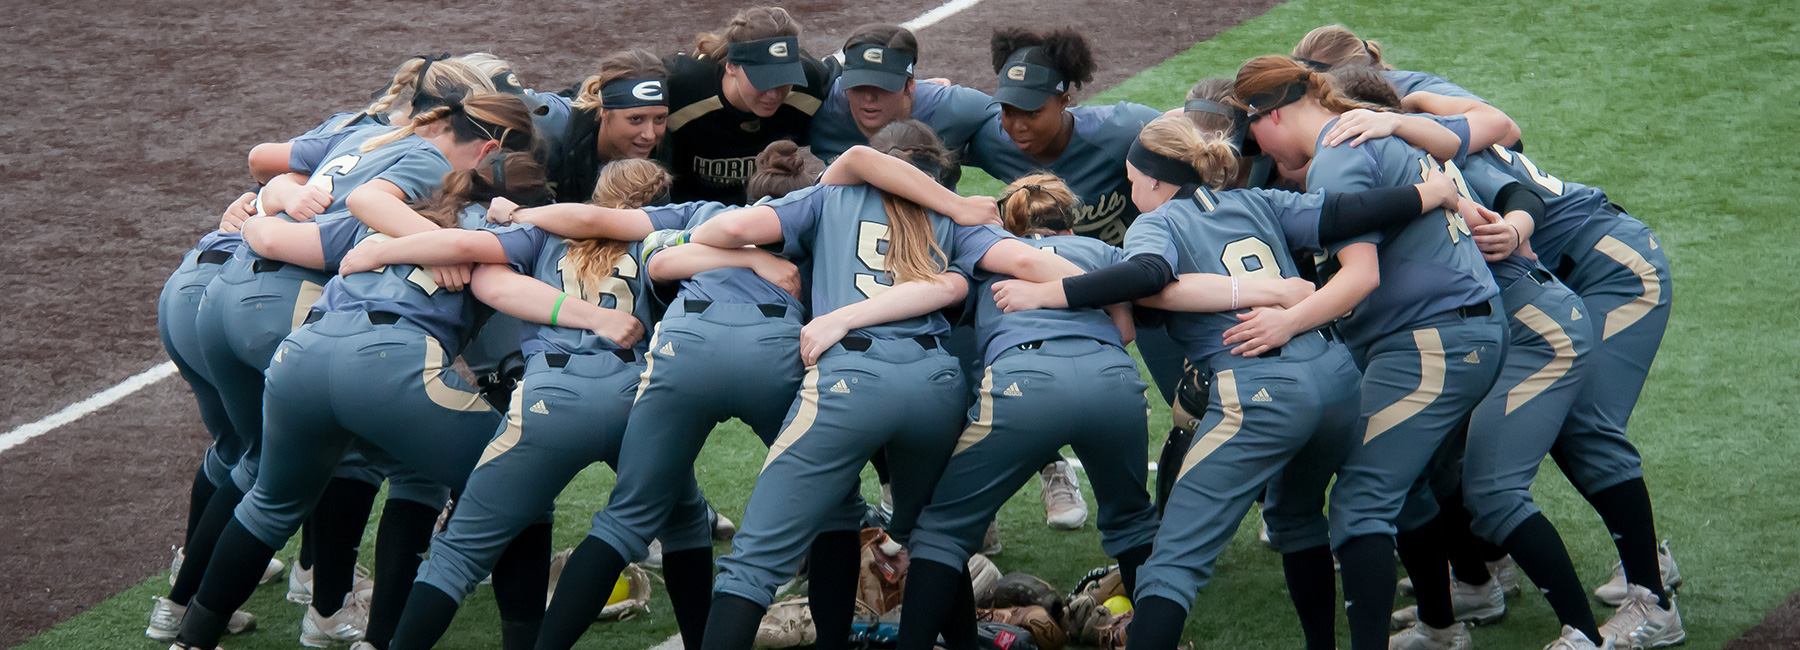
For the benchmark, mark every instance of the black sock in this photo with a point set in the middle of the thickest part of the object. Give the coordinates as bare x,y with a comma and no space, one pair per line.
428,614
1462,547
237,563
1490,552
689,576
835,561
337,531
1313,588
931,595
519,635
199,551
879,462
522,576
731,623
1156,624
1422,550
305,558
401,541
959,629
1539,550
198,497
1626,510
1368,577
586,582
1129,561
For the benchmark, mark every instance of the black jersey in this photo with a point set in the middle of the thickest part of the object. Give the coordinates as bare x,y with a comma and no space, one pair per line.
712,144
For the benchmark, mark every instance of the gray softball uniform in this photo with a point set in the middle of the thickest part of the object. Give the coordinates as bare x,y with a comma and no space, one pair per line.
1050,378
890,386
1282,420
729,346
1428,340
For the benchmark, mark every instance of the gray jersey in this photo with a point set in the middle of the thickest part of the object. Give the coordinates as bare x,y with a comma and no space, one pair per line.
955,112
409,291
1408,82
539,254
338,165
1567,206
1240,233
996,330
1093,164
730,284
848,250
1428,266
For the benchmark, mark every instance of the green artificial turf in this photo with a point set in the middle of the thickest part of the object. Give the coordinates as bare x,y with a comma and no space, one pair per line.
1660,102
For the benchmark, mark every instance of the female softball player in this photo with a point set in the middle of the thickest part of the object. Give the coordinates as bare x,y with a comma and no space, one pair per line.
742,87
455,136
886,352
1293,429
1420,337
1028,405
1325,48
1613,263
580,377
621,112
877,88
254,302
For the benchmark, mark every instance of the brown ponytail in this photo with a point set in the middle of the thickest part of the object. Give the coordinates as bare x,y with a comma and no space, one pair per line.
1268,75
1335,45
752,24
782,168
1210,154
625,185
1365,84
524,185
1037,204
913,251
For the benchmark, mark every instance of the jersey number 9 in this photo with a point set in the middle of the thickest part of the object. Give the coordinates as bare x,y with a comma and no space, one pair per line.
870,236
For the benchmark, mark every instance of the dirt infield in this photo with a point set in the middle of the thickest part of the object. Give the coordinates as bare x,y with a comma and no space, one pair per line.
126,135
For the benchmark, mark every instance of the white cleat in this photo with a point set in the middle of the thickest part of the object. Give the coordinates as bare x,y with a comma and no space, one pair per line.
343,627
1613,592
1573,639
271,572
1472,604
165,620
300,585
990,541
654,558
1640,623
1064,508
175,564
723,530
1506,572
1424,637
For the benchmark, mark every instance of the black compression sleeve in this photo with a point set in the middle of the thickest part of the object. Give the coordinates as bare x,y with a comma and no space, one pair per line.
1514,197
1138,277
1349,214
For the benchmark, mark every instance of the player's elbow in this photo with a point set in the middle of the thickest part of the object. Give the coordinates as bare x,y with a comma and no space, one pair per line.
268,160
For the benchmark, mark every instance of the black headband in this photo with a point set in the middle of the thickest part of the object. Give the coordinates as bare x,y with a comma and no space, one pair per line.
632,93
1161,167
1240,123
499,165
424,99
1317,66
1265,103
508,83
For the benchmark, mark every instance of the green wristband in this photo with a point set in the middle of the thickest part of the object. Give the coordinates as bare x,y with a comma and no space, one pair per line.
558,308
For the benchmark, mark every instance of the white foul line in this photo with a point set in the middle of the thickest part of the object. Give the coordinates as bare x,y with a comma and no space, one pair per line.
74,411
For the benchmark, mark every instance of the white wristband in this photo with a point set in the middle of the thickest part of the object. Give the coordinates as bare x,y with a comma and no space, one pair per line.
1234,294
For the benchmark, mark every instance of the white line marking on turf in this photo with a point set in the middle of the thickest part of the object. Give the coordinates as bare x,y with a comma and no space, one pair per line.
75,411
671,643
937,15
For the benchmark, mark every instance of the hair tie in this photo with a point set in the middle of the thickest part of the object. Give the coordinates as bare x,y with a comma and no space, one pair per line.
499,166
1366,50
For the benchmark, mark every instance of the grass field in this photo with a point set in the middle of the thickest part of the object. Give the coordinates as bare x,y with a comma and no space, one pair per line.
1660,102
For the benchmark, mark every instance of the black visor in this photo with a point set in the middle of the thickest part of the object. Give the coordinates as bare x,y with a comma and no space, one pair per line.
1028,80
769,63
873,65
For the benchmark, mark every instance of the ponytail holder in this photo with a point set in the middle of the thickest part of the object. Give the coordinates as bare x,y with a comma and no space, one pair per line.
1317,66
498,163
1366,50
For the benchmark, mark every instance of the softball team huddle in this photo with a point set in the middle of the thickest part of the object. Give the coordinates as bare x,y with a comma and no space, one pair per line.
1372,313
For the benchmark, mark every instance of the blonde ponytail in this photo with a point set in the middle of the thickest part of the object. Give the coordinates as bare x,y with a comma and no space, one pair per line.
1210,154
623,184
